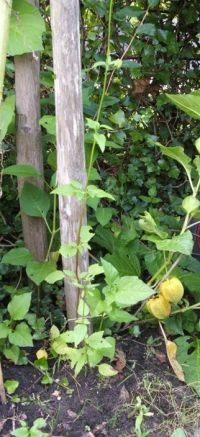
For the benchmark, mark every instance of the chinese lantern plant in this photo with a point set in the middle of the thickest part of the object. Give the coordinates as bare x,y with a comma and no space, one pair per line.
168,285
172,290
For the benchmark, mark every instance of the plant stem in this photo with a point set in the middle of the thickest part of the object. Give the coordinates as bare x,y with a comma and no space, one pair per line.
54,230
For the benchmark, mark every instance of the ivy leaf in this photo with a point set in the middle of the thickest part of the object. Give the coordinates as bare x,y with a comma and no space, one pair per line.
26,29
21,336
146,29
34,201
19,306
153,3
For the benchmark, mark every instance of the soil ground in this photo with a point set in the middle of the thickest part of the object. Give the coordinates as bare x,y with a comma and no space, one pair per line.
145,398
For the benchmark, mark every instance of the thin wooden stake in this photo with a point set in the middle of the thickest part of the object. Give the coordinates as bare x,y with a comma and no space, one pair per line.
2,389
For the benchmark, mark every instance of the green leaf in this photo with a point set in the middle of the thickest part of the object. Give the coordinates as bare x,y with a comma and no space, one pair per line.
107,370
131,290
17,257
190,204
67,336
100,140
12,353
26,29
80,332
68,250
197,164
11,386
109,350
148,224
83,309
60,346
21,432
192,367
53,277
118,118
19,306
39,271
34,201
92,124
7,110
54,332
74,188
127,264
104,238
177,153
111,274
21,336
103,215
182,244
197,145
4,330
86,234
153,3
179,432
93,191
39,423
146,29
189,103
121,316
96,340
21,170
95,269
49,123
191,281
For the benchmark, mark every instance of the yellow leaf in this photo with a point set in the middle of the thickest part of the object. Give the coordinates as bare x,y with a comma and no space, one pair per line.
171,349
41,353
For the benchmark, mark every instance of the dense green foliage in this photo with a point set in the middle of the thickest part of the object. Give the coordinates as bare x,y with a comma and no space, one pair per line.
140,201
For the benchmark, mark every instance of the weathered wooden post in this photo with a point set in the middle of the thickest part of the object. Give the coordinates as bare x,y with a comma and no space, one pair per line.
69,126
28,141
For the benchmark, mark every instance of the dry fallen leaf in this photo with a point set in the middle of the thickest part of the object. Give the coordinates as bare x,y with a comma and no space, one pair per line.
72,414
161,357
121,361
124,395
171,349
